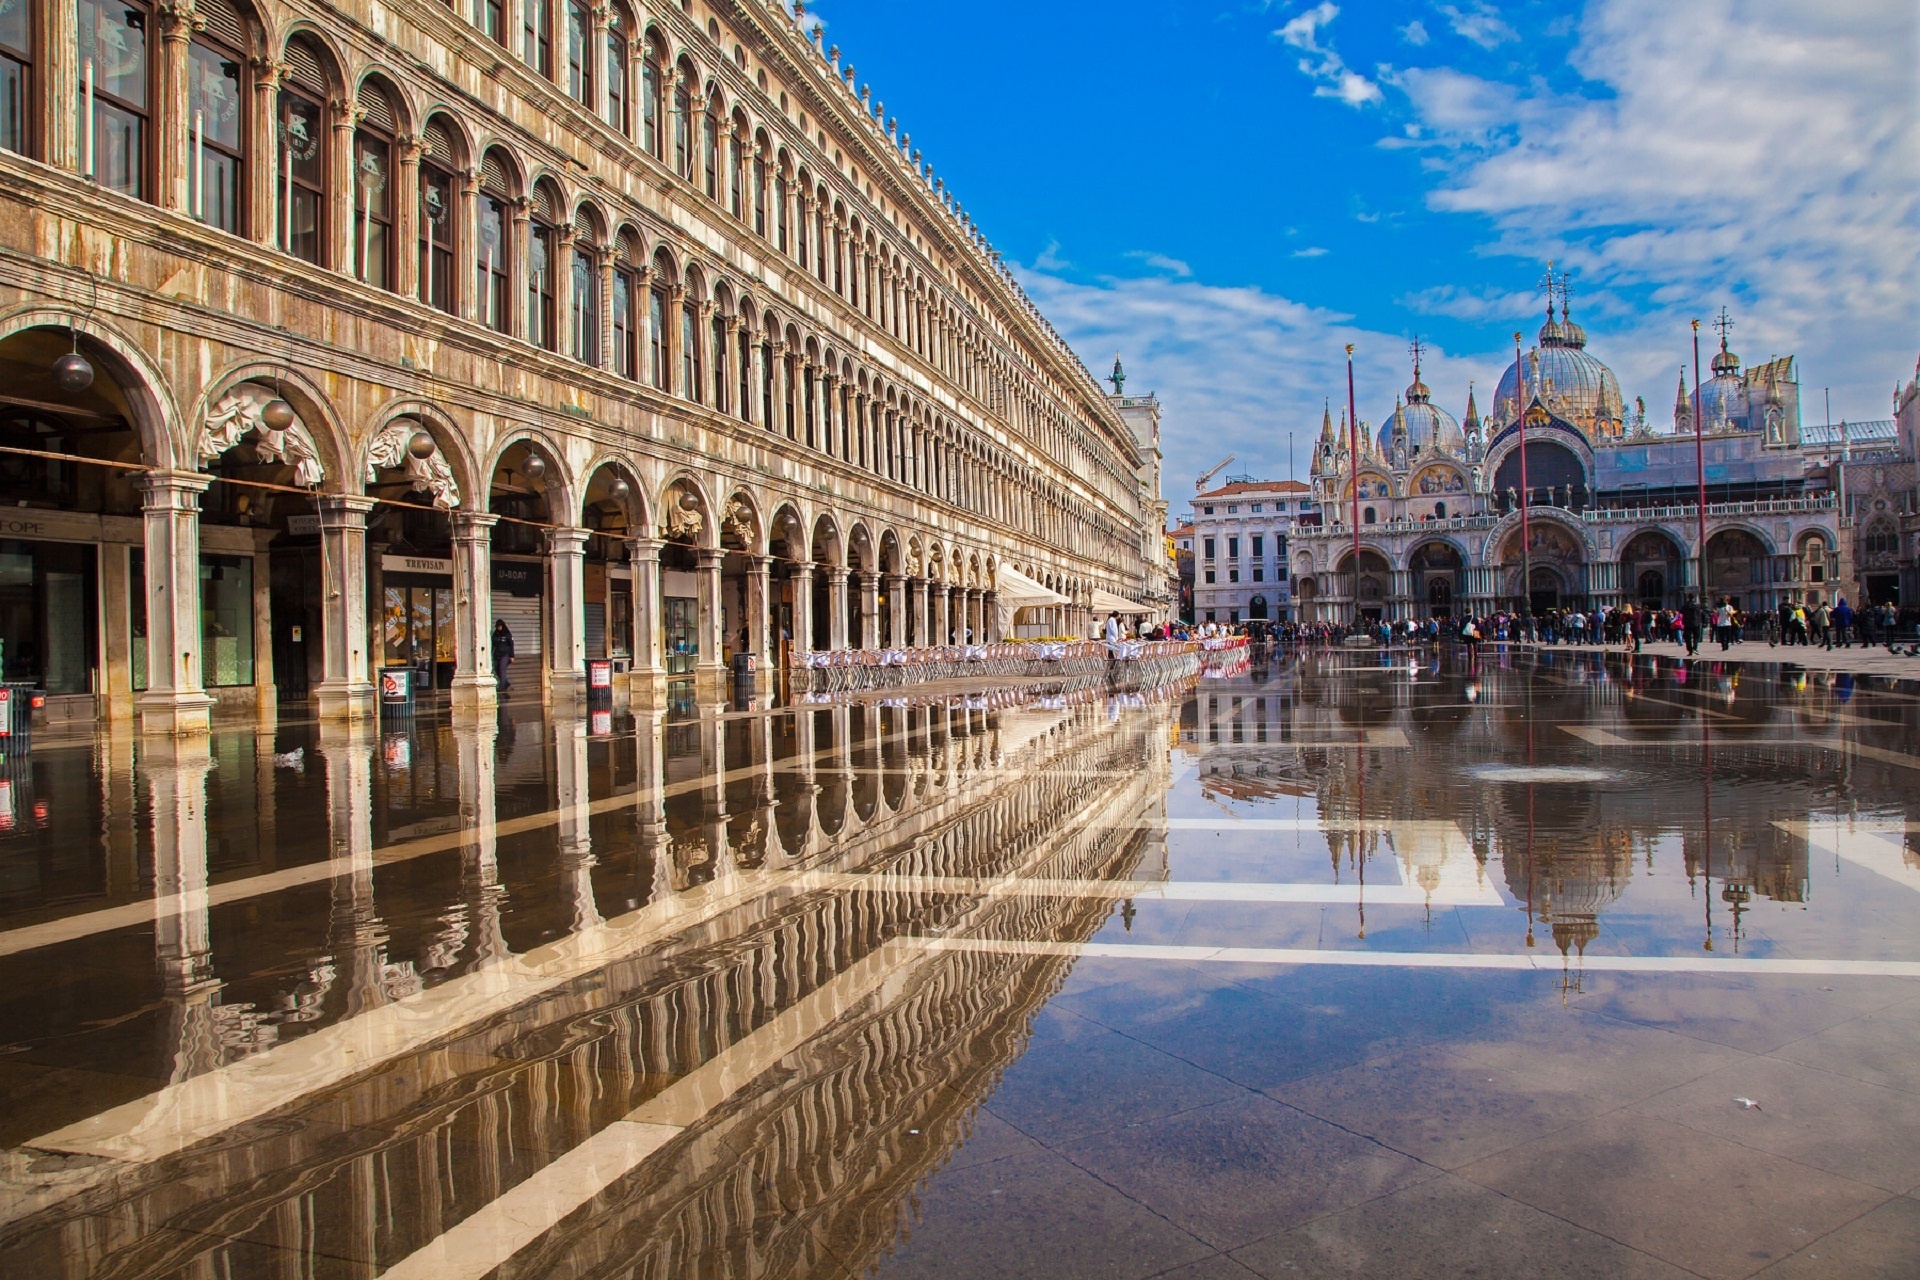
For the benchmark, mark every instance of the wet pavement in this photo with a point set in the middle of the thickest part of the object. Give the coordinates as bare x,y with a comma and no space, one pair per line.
1329,965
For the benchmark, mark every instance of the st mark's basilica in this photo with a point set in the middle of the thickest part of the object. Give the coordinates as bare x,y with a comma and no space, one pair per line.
1612,512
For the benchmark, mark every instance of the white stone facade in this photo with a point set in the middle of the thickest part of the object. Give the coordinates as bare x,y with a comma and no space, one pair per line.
1240,535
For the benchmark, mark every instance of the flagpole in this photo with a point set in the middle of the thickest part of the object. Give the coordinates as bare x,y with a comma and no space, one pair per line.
1526,539
1353,454
1700,465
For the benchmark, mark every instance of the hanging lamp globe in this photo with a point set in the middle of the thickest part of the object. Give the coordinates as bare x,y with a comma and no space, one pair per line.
534,467
421,445
72,373
276,414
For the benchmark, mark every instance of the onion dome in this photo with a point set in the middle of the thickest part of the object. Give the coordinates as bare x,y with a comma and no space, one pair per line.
1572,383
1428,426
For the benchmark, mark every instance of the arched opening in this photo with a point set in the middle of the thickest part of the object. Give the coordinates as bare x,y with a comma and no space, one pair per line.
1370,586
1435,569
1652,561
1257,609
525,493
612,514
1738,568
410,539
1556,558
1555,478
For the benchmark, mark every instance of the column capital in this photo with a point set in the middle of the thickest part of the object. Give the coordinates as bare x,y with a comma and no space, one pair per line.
472,526
178,489
568,539
710,557
644,549
836,573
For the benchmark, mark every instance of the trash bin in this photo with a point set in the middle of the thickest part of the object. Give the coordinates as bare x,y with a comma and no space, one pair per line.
396,691
745,664
599,679
17,703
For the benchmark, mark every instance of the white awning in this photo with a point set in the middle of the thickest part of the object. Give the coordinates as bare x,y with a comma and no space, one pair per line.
1107,602
1014,591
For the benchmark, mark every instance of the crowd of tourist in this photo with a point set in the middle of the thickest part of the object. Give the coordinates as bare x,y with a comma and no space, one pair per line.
1694,624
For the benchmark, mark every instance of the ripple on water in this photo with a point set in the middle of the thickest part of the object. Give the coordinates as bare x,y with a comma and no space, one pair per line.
1541,773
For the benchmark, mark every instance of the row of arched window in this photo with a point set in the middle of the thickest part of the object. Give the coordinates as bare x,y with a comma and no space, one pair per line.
282,152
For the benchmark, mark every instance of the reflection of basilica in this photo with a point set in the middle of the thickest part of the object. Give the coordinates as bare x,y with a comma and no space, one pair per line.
1392,765
1612,503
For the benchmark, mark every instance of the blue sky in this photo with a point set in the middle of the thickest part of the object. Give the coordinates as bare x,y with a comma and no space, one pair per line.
1228,191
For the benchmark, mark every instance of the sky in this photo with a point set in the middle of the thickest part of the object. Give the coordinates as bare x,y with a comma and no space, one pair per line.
1227,192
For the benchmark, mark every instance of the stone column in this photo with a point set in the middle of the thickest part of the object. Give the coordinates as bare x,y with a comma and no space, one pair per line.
869,611
800,583
836,607
605,260
976,614
597,59
896,610
942,614
989,619
520,236
473,683
647,679
922,613
562,267
566,595
777,352
709,669
758,612
343,189
174,702
346,676
172,118
406,217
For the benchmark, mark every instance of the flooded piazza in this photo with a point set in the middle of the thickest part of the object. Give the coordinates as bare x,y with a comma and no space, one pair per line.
1326,964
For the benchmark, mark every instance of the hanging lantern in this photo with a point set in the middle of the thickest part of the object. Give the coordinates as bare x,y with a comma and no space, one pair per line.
72,373
534,467
276,414
619,489
421,445
688,502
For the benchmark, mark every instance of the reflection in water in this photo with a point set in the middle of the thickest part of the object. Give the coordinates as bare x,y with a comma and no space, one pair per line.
765,966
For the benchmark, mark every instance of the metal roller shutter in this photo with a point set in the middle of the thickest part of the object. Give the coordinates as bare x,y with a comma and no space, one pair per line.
523,618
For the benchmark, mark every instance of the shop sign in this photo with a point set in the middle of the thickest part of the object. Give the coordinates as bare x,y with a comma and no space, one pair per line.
416,564
302,526
517,577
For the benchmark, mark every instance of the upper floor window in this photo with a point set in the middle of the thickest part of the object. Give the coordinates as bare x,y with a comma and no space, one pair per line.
493,244
661,374
1233,509
492,16
1233,548
710,147
619,109
1255,508
682,128
303,156
652,104
1206,547
1366,517
217,123
543,246
780,214
115,74
373,190
1206,511
586,303
692,378
537,34
580,52
16,77
1259,544
439,219
626,321
759,195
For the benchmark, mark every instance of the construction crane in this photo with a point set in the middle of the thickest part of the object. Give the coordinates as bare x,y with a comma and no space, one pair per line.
1201,483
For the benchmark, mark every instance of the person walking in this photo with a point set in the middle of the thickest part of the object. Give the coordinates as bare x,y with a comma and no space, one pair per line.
1692,618
1723,624
1821,619
502,653
1842,621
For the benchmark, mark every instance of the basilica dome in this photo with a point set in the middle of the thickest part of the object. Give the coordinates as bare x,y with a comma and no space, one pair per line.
1573,384
1428,426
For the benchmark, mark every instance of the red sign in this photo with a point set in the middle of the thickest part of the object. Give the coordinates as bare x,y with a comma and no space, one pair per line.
600,675
6,713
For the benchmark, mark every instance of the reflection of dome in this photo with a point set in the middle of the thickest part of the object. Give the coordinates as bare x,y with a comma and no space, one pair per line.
1428,426
1567,888
1573,384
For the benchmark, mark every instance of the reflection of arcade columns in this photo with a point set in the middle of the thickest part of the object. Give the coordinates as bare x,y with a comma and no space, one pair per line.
649,807
479,850
567,590
648,679
869,611
575,819
346,678
896,611
709,671
805,781
356,933
176,775
473,682
175,701
713,788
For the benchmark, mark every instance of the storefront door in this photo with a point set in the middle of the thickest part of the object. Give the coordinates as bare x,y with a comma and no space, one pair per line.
683,634
419,628
47,615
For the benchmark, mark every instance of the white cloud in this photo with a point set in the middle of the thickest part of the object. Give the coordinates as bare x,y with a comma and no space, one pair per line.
1336,79
812,22
1458,302
1313,251
1761,154
1479,23
1415,33
1050,259
1238,368
1158,261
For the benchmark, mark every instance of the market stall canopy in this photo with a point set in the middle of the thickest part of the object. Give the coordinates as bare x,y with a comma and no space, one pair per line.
1105,602
1014,591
